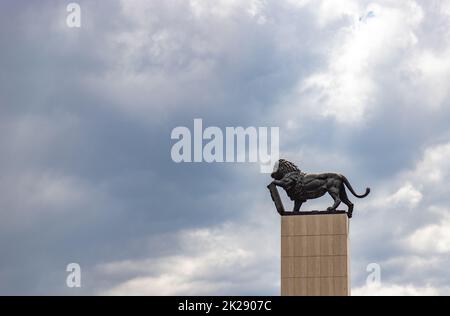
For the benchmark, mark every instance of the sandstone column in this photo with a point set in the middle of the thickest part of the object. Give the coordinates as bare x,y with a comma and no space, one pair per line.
315,255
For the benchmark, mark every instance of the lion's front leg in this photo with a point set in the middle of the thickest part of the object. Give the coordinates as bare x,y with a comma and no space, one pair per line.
297,206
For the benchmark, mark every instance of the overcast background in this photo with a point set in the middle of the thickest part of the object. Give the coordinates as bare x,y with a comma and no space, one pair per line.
356,87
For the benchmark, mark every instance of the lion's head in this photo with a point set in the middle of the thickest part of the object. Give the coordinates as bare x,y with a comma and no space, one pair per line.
281,168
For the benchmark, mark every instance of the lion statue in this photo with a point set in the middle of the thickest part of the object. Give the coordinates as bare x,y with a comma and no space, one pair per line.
301,186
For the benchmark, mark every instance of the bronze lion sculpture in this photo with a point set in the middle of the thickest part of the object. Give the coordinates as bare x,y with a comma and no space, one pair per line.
301,186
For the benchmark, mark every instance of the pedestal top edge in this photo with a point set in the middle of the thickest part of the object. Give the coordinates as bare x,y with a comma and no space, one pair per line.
308,213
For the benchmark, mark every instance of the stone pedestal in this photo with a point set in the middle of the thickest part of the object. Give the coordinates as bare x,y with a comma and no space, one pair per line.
315,255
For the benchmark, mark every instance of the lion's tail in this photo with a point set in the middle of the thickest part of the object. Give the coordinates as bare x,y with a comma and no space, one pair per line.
348,185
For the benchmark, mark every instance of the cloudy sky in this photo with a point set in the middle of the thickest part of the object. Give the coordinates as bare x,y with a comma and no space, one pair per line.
86,114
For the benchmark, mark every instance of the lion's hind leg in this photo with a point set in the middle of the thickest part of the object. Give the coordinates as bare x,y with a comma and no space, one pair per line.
346,201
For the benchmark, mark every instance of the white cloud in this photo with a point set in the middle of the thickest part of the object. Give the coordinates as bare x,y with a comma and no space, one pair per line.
429,73
217,260
330,11
408,188
298,3
407,194
432,238
416,239
397,195
434,167
348,88
394,290
370,47
445,7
